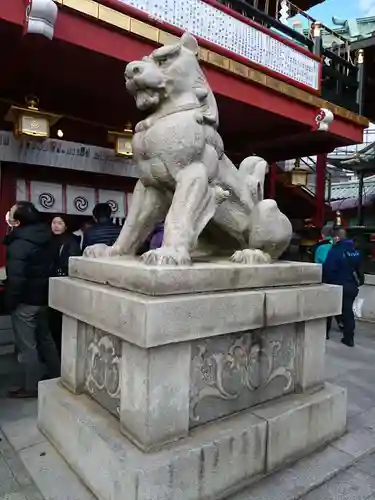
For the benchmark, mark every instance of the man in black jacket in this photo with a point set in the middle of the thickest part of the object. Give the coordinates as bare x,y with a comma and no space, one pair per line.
28,264
103,231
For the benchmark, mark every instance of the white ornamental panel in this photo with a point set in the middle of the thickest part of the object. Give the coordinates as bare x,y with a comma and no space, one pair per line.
218,27
21,190
46,196
115,199
80,200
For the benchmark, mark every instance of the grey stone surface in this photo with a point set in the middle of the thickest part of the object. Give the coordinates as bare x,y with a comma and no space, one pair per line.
14,496
127,273
150,321
52,475
22,432
299,423
73,354
297,479
348,485
310,348
14,479
292,304
234,372
357,443
291,482
103,368
213,458
367,464
155,393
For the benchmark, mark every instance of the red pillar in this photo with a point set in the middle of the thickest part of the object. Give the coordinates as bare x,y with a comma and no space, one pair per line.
272,183
320,183
7,200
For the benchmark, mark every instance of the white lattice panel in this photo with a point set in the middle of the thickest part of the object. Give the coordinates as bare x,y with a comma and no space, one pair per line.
210,23
47,196
80,200
115,199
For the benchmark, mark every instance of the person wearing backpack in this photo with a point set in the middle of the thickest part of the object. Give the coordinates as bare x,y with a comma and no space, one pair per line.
320,252
342,267
324,245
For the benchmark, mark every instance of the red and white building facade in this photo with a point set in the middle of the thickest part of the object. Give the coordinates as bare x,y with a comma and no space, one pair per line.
72,55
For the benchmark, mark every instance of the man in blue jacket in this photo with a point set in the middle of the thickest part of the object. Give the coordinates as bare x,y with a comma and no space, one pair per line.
342,267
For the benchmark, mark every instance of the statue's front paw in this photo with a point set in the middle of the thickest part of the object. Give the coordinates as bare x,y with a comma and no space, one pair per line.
166,256
251,256
100,250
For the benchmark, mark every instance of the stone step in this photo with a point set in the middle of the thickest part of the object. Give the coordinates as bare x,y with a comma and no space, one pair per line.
56,481
51,474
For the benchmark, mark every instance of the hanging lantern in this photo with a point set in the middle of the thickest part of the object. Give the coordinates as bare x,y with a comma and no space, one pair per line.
30,122
298,176
123,141
338,219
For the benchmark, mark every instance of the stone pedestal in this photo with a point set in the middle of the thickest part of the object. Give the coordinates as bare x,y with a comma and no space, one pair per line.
188,383
364,303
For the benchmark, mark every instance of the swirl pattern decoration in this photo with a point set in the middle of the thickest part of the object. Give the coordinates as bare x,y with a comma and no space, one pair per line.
46,200
81,203
114,205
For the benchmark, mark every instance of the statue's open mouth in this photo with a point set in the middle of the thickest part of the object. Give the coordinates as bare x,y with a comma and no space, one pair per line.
145,97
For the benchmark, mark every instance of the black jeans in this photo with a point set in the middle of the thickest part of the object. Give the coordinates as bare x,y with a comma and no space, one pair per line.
34,341
348,319
347,315
55,325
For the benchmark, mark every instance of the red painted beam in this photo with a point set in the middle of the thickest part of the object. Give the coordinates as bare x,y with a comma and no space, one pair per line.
13,11
93,36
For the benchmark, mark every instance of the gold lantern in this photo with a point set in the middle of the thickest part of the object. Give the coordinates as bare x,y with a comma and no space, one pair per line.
123,141
298,176
30,122
338,219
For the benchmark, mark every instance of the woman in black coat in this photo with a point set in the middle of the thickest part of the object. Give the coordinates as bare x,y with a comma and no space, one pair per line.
65,245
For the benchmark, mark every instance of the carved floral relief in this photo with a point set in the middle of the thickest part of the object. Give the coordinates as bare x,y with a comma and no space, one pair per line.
238,371
103,369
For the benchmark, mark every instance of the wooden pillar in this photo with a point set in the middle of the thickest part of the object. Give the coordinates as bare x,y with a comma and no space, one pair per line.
7,200
272,183
320,183
361,81
360,198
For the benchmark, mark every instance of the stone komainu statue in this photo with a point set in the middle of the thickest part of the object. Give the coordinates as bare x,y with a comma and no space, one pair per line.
185,177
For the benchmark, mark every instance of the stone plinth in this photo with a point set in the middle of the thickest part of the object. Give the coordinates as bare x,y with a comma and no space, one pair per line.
155,358
364,305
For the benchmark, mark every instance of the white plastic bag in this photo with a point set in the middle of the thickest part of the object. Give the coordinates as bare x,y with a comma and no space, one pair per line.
357,307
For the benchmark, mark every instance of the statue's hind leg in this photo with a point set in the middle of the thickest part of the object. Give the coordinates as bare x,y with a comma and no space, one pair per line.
270,234
192,207
148,207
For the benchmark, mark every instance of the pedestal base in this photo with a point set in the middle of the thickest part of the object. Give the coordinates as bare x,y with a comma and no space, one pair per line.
364,303
214,461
